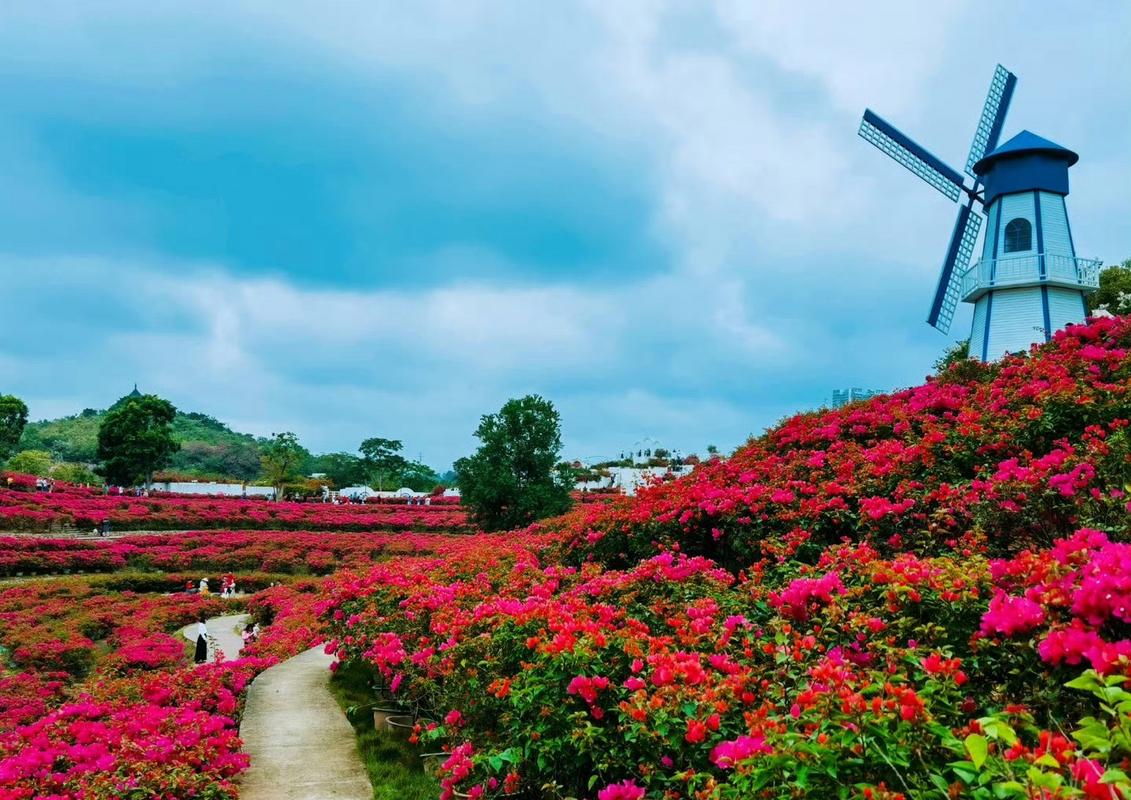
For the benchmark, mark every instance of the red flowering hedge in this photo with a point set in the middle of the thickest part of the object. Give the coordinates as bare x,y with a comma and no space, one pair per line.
40,511
925,595
128,717
298,552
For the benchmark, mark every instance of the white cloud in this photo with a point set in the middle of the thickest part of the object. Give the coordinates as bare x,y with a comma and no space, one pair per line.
801,259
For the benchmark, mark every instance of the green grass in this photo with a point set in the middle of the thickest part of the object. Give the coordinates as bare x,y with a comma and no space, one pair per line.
393,764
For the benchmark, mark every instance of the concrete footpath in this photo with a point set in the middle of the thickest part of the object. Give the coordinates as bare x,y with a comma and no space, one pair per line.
225,635
302,747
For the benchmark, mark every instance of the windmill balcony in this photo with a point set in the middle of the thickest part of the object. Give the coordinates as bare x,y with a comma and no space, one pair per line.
1029,270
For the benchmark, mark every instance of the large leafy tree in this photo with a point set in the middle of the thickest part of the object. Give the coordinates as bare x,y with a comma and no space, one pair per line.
383,462
135,439
1114,294
281,459
512,479
341,469
419,477
13,418
31,462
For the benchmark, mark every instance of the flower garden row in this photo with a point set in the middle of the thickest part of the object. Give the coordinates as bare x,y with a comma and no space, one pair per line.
926,595
210,552
97,699
41,511
104,705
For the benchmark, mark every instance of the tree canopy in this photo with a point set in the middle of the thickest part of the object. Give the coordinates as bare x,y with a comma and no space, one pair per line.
31,462
383,462
282,456
512,479
135,439
1114,294
341,469
13,418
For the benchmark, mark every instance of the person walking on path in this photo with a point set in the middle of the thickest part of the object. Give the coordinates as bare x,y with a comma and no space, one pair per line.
201,642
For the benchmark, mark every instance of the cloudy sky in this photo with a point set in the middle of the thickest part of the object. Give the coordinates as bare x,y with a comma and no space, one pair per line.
357,219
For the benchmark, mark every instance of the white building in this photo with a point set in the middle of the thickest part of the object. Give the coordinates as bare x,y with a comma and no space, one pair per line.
629,479
214,488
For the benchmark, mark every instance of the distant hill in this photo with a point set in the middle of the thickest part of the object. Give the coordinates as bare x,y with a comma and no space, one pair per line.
208,446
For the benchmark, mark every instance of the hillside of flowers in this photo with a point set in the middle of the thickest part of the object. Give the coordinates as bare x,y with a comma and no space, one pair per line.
925,595
83,510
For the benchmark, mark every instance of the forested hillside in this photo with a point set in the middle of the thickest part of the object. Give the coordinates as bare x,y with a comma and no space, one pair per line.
208,446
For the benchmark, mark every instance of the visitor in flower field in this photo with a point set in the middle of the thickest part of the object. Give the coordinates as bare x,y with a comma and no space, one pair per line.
204,585
201,642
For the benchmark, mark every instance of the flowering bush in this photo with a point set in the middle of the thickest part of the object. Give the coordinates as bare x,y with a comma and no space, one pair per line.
209,552
129,719
881,601
921,596
39,511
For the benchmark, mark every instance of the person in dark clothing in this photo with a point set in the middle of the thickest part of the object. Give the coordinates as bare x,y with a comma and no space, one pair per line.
201,642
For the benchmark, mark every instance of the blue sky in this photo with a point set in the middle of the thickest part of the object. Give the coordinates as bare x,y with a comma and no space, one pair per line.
386,219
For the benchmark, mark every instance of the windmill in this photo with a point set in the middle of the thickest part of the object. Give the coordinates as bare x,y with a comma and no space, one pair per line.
1024,287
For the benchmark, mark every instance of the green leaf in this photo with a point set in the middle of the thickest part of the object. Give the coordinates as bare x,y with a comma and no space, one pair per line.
966,774
1088,682
978,748
1113,775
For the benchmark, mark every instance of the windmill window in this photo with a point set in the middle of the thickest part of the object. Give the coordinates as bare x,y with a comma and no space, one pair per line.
1018,236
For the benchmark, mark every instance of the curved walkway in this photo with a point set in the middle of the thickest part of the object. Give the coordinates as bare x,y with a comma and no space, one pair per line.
302,747
224,633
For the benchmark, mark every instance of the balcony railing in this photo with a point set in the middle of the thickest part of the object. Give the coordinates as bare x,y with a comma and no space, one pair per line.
1029,270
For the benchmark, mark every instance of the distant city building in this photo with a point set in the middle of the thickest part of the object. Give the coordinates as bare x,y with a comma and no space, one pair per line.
845,396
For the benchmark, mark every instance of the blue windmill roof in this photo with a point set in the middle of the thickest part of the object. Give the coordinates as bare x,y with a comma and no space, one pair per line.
1025,143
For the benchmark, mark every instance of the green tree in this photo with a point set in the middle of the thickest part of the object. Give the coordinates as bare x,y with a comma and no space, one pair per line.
954,354
383,461
282,456
418,477
13,418
1114,294
341,469
135,439
75,473
512,480
31,462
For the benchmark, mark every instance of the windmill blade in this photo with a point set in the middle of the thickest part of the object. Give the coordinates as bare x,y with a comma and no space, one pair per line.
958,254
993,116
903,149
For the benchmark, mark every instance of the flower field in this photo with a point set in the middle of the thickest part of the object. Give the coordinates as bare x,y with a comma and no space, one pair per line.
99,700
208,553
82,510
925,595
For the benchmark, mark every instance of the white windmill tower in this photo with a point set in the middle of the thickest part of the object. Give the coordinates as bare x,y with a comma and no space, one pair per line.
1029,282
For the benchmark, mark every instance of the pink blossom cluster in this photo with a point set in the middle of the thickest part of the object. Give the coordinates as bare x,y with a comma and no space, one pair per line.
796,600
